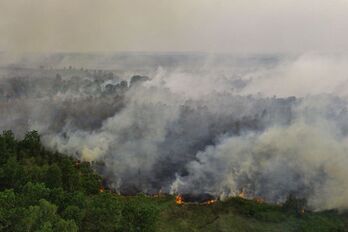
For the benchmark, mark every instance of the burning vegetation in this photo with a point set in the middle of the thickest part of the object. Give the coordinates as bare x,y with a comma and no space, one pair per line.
242,193
179,200
201,199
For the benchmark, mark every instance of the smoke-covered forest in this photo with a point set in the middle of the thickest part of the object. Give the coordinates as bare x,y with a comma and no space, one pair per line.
79,139
159,115
42,190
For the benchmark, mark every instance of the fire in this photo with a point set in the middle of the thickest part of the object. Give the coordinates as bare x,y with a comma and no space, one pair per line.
101,189
241,193
179,200
210,202
77,163
259,200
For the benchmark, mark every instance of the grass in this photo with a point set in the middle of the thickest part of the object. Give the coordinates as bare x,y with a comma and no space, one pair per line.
237,214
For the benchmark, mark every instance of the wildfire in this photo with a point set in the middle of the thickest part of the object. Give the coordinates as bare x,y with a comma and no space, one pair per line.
179,200
101,189
241,193
210,202
77,163
259,200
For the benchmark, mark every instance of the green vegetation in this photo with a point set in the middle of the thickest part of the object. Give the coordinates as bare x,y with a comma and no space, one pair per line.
237,214
41,190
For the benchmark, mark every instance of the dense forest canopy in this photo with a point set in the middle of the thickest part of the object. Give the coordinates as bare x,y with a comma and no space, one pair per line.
42,190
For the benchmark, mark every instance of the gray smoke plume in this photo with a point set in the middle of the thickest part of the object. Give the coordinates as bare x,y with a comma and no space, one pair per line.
270,125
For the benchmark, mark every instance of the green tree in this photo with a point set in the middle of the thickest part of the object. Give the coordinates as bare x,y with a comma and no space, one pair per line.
90,182
33,172
139,214
70,176
75,198
74,213
32,193
44,217
65,226
11,174
102,214
7,209
32,142
53,176
7,146
58,197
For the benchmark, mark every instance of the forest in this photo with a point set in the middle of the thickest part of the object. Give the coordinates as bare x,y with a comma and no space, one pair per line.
44,190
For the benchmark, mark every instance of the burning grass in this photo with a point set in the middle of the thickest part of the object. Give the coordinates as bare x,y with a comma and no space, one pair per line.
238,214
187,212
202,199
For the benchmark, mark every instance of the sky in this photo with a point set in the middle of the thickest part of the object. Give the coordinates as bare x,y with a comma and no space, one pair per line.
233,26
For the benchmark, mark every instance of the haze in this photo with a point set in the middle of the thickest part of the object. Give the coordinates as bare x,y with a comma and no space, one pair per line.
163,25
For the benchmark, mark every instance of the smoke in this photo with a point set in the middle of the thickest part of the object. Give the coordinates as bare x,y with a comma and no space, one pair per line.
271,125
306,159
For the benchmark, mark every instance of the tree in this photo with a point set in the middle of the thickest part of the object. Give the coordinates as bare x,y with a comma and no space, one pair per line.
103,213
53,176
75,198
7,209
74,213
9,140
65,226
7,146
91,183
44,217
32,193
139,215
70,176
11,174
32,142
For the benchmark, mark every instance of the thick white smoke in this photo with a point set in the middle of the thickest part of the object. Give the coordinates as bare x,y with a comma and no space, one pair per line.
304,158
271,125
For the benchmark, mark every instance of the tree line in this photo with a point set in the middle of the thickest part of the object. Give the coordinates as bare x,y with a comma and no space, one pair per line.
44,190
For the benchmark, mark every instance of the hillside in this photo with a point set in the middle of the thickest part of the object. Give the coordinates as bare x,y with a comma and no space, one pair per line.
42,190
237,214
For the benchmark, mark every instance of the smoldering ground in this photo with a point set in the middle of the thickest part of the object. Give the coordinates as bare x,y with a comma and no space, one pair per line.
272,126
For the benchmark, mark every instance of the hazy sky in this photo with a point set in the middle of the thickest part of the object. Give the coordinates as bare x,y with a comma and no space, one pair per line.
174,25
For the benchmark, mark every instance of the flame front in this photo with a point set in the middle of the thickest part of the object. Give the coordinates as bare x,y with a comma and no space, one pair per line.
101,189
211,202
241,193
259,200
179,200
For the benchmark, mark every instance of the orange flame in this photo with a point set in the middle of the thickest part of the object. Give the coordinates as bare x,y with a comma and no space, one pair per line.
101,189
210,202
259,200
179,200
241,193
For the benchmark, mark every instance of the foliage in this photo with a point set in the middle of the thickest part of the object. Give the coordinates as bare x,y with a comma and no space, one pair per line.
139,214
41,190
